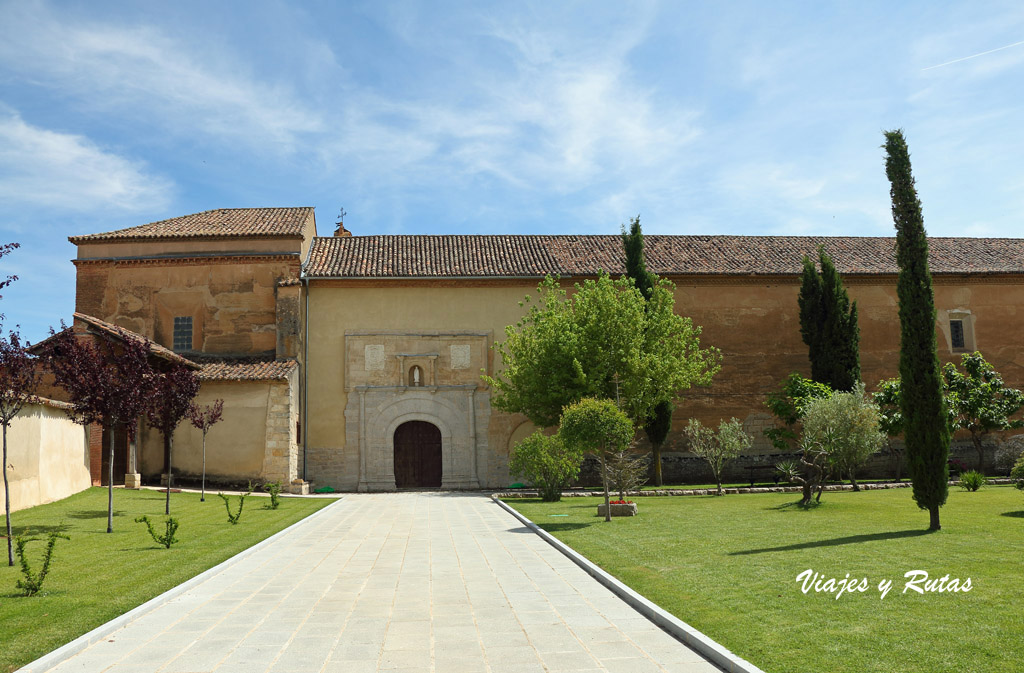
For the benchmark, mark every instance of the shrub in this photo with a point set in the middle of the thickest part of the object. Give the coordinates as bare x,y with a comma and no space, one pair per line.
547,463
1007,455
33,582
167,539
972,480
233,518
846,425
274,489
1017,473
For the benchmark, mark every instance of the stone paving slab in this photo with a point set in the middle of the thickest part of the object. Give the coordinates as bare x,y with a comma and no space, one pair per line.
432,582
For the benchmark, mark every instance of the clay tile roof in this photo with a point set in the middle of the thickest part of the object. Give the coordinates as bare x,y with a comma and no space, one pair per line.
536,256
128,335
220,223
246,369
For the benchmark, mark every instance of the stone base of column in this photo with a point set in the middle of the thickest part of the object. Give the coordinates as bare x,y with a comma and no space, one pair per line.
133,480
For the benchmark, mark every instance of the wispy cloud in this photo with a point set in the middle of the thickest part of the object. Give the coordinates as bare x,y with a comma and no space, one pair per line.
66,172
141,71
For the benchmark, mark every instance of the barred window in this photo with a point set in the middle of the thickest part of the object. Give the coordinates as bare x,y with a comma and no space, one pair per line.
956,334
182,333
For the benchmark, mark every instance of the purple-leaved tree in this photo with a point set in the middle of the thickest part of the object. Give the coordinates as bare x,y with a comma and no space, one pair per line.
108,383
19,378
204,418
172,394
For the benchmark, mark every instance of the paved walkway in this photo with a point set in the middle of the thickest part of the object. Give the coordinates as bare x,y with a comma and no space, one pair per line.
395,582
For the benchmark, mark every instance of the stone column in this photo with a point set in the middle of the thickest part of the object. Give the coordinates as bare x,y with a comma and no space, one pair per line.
132,479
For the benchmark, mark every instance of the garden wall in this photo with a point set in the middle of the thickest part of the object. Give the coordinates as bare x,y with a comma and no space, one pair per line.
47,456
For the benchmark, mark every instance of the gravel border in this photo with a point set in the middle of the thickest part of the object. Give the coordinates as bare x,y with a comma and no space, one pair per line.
65,652
678,629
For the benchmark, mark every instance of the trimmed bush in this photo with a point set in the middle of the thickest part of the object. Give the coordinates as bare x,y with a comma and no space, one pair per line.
547,463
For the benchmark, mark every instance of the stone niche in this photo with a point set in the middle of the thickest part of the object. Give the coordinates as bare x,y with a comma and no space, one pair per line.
392,378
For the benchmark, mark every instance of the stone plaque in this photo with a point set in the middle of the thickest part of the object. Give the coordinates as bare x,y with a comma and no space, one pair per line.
460,356
374,357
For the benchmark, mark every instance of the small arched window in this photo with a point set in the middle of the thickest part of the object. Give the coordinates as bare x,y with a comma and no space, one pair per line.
416,376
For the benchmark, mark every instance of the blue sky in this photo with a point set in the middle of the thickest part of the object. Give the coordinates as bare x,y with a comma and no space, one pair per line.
448,117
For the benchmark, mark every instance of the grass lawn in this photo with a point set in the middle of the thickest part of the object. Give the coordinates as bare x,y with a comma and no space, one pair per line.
95,577
728,566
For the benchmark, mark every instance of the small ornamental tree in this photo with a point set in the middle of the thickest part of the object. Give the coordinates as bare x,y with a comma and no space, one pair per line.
107,383
172,394
19,378
597,427
788,403
979,401
855,419
924,414
828,325
202,419
717,449
547,463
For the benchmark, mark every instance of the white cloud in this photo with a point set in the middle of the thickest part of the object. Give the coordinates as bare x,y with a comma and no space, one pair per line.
39,167
140,70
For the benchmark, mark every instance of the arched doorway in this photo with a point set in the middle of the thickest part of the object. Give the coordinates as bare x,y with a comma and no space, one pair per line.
417,455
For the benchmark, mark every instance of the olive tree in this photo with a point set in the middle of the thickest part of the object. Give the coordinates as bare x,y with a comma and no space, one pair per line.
598,427
718,449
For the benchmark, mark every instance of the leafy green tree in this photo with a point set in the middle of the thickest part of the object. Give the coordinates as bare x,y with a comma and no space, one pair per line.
788,403
828,325
717,449
605,341
922,406
659,423
890,420
979,401
547,463
598,427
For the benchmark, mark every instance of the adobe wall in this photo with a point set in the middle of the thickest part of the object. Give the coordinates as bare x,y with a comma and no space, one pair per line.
48,457
754,321
233,301
236,447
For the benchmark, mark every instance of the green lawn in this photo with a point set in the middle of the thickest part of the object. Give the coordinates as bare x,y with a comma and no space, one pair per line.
728,567
95,576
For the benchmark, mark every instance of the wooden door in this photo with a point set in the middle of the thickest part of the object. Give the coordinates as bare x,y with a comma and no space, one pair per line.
417,455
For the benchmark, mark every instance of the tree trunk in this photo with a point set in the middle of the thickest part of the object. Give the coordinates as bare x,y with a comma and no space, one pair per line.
718,480
202,497
7,504
604,479
853,480
807,493
976,439
169,441
110,483
657,464
933,514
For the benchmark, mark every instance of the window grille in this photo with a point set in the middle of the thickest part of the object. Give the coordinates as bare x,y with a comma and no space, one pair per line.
182,333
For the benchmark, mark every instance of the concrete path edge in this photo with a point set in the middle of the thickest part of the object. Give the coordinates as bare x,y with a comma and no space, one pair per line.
64,652
675,627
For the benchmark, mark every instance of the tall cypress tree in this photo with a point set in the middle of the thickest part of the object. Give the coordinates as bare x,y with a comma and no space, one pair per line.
659,424
828,325
924,416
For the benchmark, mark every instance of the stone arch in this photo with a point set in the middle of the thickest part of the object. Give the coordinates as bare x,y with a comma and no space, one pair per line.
458,446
